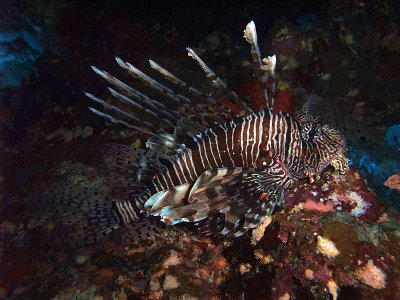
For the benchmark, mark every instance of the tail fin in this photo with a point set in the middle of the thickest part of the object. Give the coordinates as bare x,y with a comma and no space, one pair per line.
69,216
81,207
72,215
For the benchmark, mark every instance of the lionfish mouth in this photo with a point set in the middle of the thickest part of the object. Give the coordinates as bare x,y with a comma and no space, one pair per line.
340,164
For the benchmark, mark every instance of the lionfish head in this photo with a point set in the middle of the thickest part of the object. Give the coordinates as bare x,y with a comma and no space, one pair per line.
325,146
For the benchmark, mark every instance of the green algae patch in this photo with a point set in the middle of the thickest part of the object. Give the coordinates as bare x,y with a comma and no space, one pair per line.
345,238
187,285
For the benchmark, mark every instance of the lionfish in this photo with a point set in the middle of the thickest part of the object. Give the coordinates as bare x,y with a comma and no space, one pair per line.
203,163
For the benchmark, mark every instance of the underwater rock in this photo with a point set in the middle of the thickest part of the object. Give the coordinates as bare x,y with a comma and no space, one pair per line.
258,232
86,294
286,39
20,46
81,259
244,268
14,269
68,135
320,206
348,193
328,250
308,21
262,257
333,289
392,136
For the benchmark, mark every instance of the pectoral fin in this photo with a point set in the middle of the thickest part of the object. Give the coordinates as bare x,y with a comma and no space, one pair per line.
232,194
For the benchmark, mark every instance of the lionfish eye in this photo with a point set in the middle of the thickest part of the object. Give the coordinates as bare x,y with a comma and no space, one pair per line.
311,134
308,131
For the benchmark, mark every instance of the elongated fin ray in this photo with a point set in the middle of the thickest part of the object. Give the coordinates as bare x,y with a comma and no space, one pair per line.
191,126
217,82
162,89
269,65
158,140
123,98
183,85
153,105
130,116
233,193
265,66
116,82
142,76
128,125
126,111
250,34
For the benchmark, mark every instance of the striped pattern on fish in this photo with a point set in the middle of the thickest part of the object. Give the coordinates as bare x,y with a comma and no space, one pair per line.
224,172
257,142
236,144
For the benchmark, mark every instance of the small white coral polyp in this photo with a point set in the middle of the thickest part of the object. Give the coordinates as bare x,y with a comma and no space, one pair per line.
359,205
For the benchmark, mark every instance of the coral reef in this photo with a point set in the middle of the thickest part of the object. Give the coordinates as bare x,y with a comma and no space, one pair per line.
372,275
393,182
302,251
327,247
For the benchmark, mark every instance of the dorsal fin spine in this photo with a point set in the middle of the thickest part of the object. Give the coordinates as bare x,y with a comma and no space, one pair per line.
114,108
145,100
183,85
216,81
250,34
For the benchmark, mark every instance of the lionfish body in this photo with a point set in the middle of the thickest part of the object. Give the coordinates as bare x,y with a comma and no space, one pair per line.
221,171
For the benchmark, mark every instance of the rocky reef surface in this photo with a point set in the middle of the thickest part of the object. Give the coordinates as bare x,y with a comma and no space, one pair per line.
332,238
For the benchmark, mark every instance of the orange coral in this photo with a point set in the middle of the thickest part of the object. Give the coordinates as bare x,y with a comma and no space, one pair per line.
393,182
220,263
320,206
372,275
